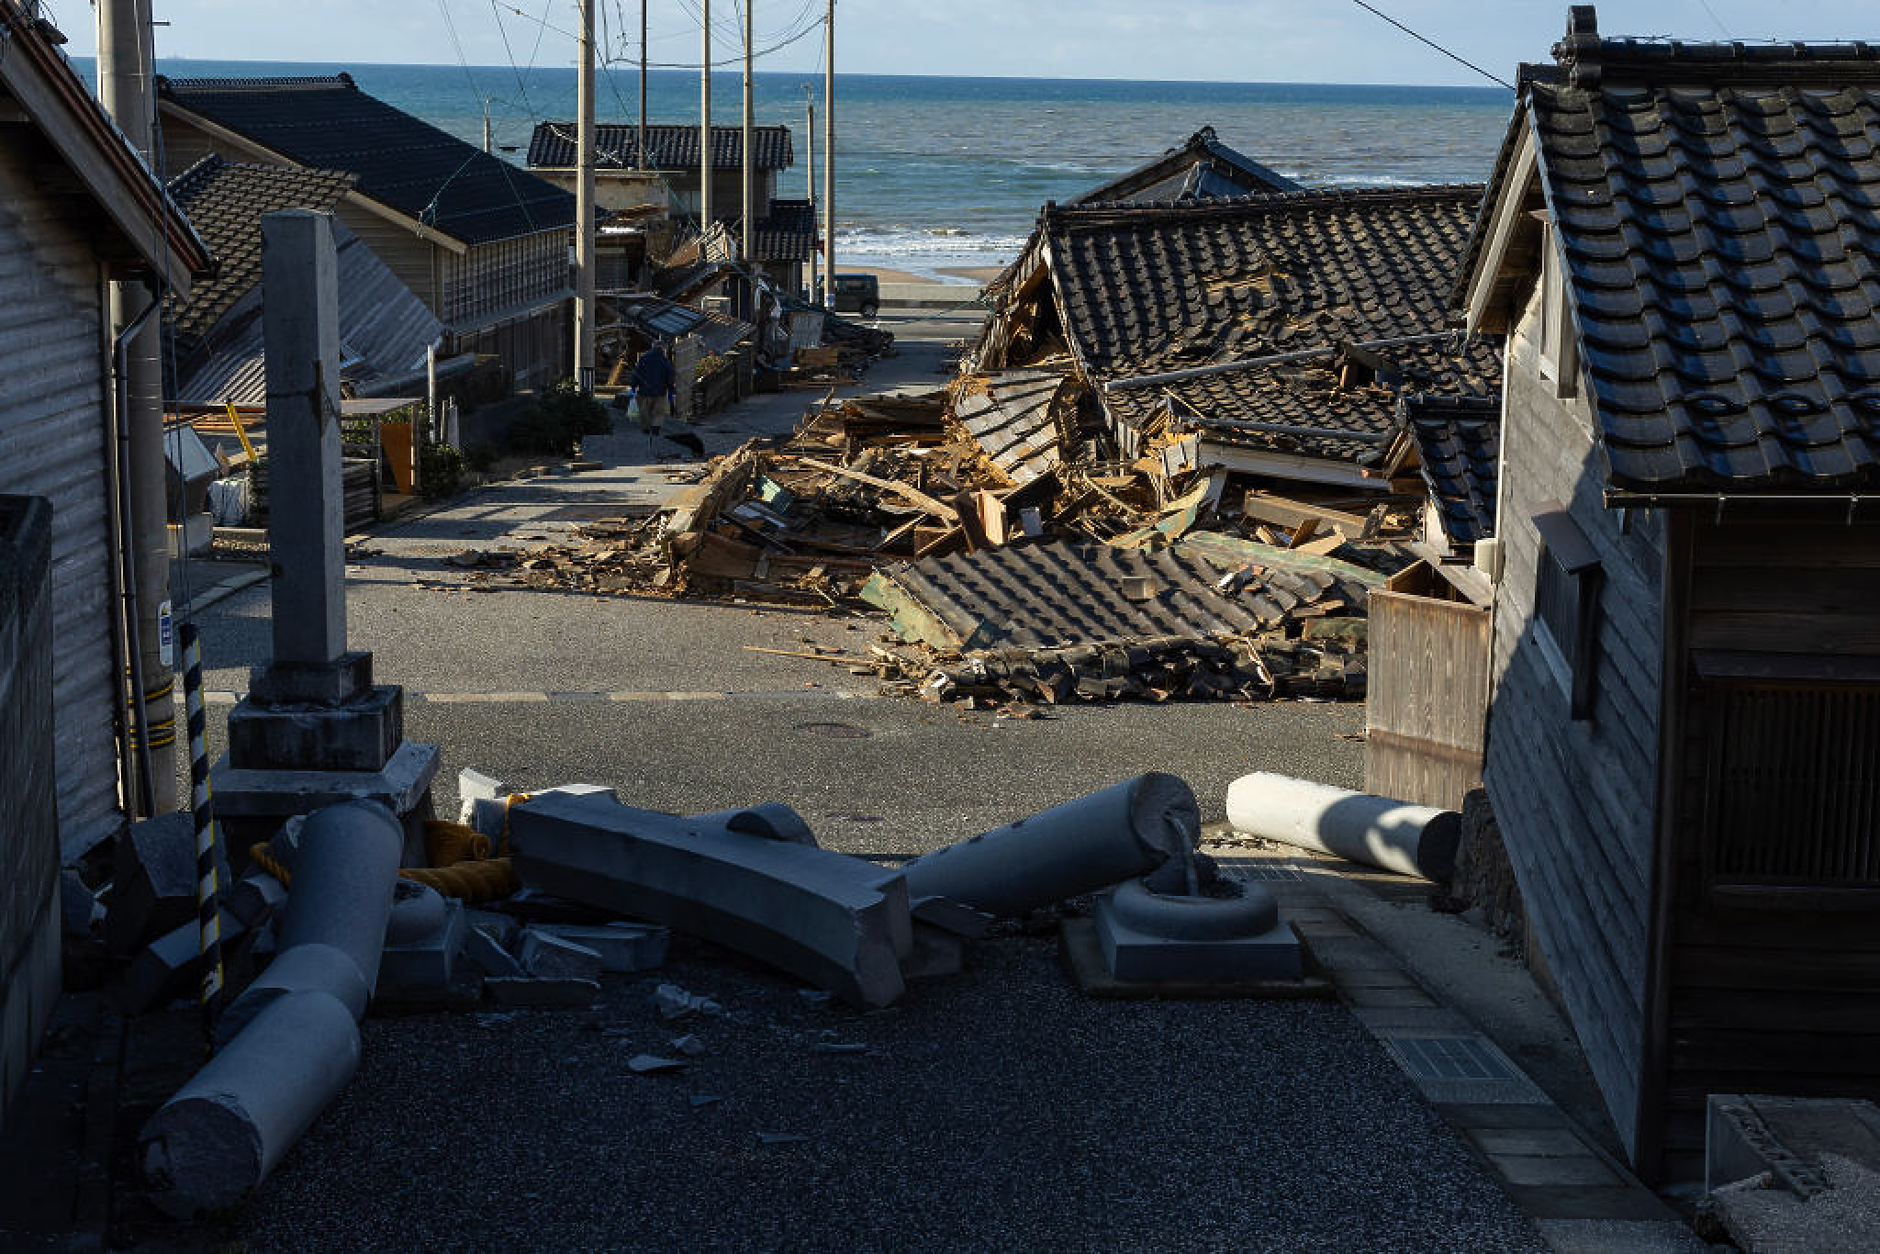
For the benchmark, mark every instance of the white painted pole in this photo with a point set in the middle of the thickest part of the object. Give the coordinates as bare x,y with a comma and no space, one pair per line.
815,254
750,140
829,150
705,123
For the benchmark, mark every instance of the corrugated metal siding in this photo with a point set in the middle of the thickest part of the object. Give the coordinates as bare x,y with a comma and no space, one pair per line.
1576,799
52,444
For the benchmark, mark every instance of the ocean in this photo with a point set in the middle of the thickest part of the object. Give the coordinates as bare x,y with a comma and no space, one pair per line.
935,173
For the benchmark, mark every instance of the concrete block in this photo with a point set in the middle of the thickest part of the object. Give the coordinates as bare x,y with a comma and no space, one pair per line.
361,735
674,1002
490,957
936,952
951,916
154,882
771,821
219,1136
255,897
417,913
427,962
343,883
547,956
504,929
835,921
528,991
171,966
474,786
487,815
339,682
623,947
307,968
275,795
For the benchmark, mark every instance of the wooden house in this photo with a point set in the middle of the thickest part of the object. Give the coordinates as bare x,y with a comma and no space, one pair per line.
1680,248
78,209
485,245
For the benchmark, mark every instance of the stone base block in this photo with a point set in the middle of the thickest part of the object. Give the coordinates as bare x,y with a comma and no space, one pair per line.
361,735
1130,954
346,679
194,535
428,962
272,796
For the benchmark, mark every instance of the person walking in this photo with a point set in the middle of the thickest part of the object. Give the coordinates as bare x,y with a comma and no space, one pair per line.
652,385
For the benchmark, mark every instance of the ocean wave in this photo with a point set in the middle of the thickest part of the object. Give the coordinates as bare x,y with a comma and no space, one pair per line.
924,242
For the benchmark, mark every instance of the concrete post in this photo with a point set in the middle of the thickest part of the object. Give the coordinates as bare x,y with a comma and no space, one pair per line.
219,1136
1120,832
343,880
127,88
306,531
1394,835
584,320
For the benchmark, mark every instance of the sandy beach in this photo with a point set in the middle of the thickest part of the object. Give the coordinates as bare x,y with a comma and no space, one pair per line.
956,276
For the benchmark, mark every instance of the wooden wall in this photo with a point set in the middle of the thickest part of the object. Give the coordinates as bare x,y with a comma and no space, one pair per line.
1576,800
1425,698
1759,998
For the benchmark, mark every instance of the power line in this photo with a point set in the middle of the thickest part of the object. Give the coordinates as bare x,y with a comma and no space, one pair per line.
1432,43
1716,19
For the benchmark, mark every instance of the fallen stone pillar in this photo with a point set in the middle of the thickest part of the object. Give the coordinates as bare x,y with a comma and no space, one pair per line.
219,1136
332,932
1118,833
1377,831
839,922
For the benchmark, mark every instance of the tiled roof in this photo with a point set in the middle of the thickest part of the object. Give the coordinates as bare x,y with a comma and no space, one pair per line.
1203,168
617,146
1458,440
788,234
1716,204
1156,290
399,160
225,201
1014,416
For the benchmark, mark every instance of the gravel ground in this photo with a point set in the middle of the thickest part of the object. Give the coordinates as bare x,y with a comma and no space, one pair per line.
997,1110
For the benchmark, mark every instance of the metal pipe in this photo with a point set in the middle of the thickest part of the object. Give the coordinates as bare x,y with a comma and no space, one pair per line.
809,133
145,786
1379,831
705,125
750,144
583,213
642,143
1627,498
829,152
1271,359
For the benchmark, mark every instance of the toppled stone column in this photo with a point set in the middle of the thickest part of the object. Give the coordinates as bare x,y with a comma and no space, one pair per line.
220,1135
1377,831
839,922
1117,833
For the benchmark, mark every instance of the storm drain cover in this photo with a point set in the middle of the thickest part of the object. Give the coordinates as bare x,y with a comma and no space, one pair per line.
835,731
1449,1058
1266,871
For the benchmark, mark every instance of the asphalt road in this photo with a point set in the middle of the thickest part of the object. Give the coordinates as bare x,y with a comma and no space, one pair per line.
996,1109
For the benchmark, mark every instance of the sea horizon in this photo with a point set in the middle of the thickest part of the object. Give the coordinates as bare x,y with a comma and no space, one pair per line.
941,172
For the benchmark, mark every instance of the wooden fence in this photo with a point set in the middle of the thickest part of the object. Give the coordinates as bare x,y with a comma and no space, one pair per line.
1426,699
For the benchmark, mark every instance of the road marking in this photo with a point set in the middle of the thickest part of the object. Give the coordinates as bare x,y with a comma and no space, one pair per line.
578,697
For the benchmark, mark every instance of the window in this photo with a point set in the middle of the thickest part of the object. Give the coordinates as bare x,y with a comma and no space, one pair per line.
1566,604
1792,781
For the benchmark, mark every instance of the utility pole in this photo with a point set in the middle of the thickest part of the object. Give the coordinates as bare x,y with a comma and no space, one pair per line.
642,144
127,88
829,149
809,130
486,124
750,136
705,126
584,209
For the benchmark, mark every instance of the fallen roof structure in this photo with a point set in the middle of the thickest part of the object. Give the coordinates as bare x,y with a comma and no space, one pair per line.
1202,168
669,147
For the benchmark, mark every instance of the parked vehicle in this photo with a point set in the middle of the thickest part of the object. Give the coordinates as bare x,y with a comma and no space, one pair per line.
856,293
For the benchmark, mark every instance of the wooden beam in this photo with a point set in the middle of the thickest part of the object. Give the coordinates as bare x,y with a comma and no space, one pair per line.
1286,512
913,496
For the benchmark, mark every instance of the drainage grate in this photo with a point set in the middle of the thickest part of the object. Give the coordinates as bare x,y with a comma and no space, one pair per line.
1449,1058
835,731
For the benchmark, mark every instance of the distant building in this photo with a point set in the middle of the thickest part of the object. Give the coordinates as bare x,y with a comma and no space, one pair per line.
1683,746
78,208
384,328
1203,168
485,245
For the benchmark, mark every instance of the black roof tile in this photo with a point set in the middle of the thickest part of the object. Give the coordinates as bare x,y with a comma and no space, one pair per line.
668,147
399,160
1458,441
1202,168
1149,290
1718,206
225,201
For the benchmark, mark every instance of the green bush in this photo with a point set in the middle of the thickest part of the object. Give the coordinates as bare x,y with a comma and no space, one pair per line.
560,416
480,457
440,470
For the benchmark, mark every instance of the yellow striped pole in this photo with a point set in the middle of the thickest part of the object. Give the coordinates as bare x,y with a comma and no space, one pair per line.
202,804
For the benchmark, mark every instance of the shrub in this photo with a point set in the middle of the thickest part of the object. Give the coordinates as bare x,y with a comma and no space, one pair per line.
440,470
560,416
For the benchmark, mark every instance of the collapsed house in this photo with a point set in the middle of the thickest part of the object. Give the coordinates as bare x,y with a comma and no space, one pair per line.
1685,710
483,244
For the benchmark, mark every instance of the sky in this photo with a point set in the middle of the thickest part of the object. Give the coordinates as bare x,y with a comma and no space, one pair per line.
1321,41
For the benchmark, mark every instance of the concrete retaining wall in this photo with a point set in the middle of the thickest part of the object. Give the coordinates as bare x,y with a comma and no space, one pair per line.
29,838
